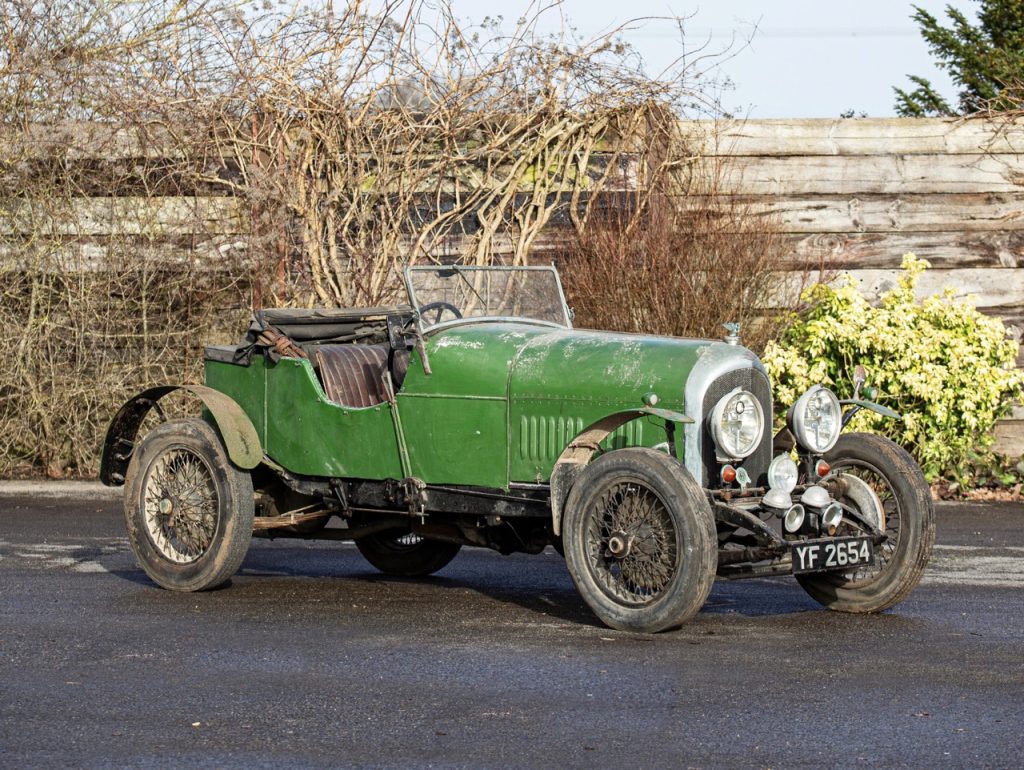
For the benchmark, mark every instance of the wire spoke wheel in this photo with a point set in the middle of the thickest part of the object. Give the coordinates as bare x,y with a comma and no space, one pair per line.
892,515
631,543
182,505
188,510
909,524
639,540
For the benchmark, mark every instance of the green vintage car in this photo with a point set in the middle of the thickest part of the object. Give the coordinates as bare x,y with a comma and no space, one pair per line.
478,415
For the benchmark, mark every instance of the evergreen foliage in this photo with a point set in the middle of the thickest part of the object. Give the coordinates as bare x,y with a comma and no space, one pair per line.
986,61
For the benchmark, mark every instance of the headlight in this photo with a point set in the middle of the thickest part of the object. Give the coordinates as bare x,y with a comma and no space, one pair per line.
737,423
782,473
816,419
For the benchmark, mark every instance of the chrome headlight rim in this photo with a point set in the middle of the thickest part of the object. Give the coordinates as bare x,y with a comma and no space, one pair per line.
798,419
722,441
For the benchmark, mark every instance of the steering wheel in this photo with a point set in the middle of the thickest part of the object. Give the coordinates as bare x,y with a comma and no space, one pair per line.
439,308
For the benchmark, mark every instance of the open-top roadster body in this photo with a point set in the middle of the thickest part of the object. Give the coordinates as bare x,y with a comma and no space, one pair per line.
478,416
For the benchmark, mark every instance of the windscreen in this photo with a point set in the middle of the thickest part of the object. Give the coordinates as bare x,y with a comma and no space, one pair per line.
444,294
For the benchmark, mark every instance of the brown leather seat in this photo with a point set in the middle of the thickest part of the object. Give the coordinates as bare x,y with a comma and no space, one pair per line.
353,375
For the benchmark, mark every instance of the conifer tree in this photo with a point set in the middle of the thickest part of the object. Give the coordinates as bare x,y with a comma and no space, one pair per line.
985,60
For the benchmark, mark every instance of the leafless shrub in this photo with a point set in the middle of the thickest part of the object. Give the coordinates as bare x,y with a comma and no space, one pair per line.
108,280
679,257
166,166
362,141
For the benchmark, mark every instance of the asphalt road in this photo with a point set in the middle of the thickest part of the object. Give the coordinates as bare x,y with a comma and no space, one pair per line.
311,659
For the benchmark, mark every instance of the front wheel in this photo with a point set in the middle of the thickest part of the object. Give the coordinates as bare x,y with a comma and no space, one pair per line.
909,521
403,554
640,540
188,510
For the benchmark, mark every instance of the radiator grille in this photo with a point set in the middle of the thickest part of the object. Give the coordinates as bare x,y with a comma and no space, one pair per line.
757,463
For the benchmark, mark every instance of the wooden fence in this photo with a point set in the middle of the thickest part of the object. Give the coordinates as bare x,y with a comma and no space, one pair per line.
863,192
859,192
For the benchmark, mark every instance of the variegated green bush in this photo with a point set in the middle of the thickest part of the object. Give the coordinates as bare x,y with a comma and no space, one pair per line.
948,369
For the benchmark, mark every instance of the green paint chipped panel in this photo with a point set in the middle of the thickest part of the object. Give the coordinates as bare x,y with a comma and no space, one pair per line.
502,403
246,385
456,419
315,437
308,434
579,377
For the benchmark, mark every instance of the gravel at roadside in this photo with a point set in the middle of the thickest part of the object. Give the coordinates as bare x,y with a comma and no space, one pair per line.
78,490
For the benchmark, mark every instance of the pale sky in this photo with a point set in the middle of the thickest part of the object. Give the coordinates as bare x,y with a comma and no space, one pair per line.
807,58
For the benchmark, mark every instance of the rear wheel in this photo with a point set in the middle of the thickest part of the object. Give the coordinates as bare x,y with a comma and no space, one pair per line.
902,494
188,510
404,554
640,540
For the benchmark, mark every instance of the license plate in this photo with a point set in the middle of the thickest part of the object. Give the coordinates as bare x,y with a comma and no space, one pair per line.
834,553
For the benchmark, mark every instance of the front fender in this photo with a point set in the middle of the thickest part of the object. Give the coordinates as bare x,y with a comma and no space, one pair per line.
872,407
579,451
235,428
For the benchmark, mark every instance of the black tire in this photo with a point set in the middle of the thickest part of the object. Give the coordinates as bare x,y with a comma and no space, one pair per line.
403,554
181,467
909,522
640,496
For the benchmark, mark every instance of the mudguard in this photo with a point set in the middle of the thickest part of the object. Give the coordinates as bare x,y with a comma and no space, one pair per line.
235,428
871,406
579,451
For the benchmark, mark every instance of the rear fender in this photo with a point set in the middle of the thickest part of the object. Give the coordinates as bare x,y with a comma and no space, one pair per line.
235,428
579,451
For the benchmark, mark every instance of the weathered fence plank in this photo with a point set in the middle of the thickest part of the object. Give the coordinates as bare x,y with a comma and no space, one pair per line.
952,250
159,217
85,255
871,136
987,288
990,290
877,174
850,194
858,194
872,213
79,140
